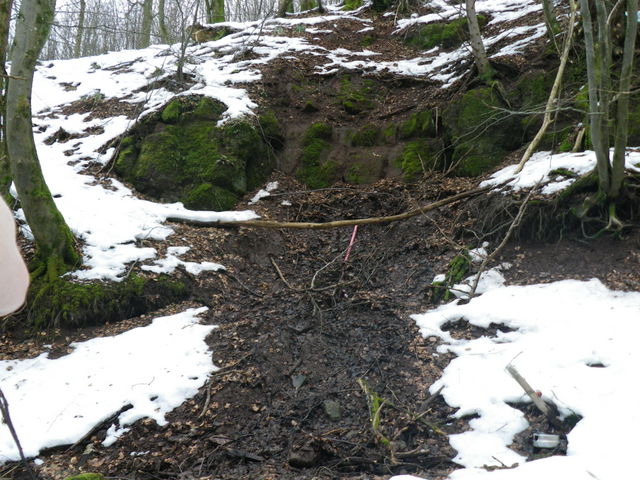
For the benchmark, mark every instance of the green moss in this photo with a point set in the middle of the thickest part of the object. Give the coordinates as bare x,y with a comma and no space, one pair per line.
481,134
355,174
367,136
446,35
417,158
368,40
194,159
171,113
457,270
352,4
271,129
355,99
209,109
60,302
321,131
207,196
86,476
389,134
419,124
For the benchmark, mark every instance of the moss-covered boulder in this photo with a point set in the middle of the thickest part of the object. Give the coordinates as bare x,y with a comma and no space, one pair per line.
316,170
442,34
356,94
420,124
480,130
186,156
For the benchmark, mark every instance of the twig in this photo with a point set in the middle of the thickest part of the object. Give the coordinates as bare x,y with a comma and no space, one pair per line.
340,223
512,227
6,418
275,265
537,401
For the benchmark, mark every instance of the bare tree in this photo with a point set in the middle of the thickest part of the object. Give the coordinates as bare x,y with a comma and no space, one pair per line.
77,48
5,172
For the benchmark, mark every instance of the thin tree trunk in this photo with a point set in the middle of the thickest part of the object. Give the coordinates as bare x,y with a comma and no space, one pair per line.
546,121
485,72
285,6
596,111
54,241
553,26
162,24
622,113
5,171
77,46
145,28
214,11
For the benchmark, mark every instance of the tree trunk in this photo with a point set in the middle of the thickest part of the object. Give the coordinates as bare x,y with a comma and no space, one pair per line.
77,46
215,11
54,241
485,72
145,28
596,108
285,6
622,113
162,24
5,172
553,26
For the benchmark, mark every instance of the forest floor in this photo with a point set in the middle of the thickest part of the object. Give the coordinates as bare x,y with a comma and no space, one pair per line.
306,341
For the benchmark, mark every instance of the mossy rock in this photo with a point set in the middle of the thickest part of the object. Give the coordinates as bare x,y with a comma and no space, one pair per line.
197,162
61,302
271,129
367,136
86,476
442,34
420,124
316,170
420,157
356,97
171,113
381,5
480,133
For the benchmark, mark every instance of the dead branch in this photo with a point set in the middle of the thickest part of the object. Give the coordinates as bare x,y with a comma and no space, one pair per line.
338,223
6,418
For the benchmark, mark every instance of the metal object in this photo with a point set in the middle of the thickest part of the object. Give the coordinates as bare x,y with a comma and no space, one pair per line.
546,440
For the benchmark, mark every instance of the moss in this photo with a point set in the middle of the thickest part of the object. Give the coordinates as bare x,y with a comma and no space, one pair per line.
60,302
317,131
209,109
171,113
367,136
446,35
368,40
316,171
194,159
389,134
480,134
352,4
417,158
271,129
419,124
457,270
86,476
206,196
355,99
381,5
355,174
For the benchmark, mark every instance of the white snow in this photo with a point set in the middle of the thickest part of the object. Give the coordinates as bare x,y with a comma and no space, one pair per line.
154,369
264,192
541,164
563,332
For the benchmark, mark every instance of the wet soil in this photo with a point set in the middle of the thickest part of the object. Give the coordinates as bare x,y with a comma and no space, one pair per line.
323,373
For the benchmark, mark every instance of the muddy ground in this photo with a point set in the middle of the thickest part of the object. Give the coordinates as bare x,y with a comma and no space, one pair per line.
308,343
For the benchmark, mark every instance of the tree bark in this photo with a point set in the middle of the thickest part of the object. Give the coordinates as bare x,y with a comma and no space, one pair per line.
485,72
215,11
145,28
54,241
77,46
622,113
162,24
284,7
5,171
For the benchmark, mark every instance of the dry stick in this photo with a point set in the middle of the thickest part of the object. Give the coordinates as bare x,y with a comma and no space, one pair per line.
554,90
512,227
537,401
6,418
340,223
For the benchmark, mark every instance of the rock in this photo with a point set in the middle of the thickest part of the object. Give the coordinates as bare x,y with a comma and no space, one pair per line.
332,409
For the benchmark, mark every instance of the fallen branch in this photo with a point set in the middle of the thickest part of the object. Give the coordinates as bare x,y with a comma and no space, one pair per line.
537,401
340,223
6,418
